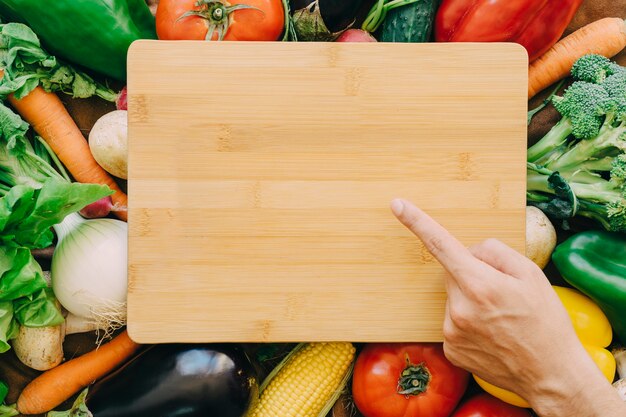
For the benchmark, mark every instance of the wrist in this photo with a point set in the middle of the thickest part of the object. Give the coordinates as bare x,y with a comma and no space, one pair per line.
577,391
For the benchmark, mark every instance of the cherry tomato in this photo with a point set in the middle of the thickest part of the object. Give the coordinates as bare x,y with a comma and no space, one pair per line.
232,20
484,405
406,380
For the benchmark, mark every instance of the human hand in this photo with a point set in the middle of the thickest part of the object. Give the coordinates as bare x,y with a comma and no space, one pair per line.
505,323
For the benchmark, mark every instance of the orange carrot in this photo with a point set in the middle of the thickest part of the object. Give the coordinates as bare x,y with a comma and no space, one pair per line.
57,385
603,37
48,116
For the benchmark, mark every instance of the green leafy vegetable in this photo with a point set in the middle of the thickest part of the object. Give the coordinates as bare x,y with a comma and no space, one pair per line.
579,167
8,326
20,274
44,207
6,411
26,65
4,391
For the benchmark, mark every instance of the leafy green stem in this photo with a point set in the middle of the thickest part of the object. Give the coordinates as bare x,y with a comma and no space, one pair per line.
53,157
378,13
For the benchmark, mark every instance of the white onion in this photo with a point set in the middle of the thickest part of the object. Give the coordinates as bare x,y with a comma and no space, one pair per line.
89,268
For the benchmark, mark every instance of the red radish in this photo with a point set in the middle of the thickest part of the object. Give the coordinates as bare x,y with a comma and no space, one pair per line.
356,35
122,99
100,208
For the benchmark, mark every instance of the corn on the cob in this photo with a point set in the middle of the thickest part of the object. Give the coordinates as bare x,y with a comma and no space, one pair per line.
307,383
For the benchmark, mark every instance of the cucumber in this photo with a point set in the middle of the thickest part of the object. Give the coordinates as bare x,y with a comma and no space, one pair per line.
410,23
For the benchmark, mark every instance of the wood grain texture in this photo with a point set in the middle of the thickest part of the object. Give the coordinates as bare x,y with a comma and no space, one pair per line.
260,176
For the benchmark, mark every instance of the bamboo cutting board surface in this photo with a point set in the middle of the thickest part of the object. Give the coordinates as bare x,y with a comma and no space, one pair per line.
260,176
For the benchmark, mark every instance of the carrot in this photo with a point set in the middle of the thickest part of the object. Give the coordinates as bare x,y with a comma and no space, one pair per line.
48,116
57,385
603,37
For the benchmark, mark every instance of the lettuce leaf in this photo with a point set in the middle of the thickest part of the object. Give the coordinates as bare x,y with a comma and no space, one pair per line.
20,274
27,214
26,65
8,326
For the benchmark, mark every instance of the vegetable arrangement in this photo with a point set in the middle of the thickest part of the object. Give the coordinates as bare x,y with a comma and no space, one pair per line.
577,171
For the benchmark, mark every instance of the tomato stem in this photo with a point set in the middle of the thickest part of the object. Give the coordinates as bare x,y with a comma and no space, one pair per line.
413,379
217,15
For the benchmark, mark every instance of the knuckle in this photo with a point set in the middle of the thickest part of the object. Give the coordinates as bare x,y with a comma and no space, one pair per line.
492,243
449,331
435,244
459,319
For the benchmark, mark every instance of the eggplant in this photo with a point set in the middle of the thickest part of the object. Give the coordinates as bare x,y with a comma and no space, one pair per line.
323,20
174,380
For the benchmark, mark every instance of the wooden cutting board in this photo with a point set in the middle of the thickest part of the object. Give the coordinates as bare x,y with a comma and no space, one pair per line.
261,176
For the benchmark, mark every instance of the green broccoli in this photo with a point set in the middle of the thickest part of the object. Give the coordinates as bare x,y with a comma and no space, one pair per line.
615,85
582,172
618,171
592,68
582,106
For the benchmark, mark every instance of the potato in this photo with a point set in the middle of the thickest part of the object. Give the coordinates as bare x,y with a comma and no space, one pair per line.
108,143
540,237
40,348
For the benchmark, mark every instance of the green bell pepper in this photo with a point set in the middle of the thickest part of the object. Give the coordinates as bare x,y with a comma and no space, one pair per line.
595,263
93,33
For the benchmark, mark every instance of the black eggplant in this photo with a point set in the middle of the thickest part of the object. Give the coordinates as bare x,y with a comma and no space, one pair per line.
323,20
174,381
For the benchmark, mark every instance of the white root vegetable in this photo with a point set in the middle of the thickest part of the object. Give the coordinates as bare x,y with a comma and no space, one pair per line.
89,269
75,324
40,348
540,237
108,141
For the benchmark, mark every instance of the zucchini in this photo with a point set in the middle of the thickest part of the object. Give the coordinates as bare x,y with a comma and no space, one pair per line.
410,23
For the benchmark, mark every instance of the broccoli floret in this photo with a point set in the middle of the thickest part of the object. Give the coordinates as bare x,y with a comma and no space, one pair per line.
616,213
593,68
606,139
615,85
585,104
618,170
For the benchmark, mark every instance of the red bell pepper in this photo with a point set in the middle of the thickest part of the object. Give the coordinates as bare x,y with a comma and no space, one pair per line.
535,24
484,405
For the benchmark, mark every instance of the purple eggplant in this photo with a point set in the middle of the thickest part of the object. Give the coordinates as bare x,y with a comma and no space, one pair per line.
174,380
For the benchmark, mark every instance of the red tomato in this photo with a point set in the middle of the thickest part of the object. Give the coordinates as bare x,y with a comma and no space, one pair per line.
383,374
264,20
484,405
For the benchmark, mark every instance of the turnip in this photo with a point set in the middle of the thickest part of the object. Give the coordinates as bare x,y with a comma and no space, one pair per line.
108,142
540,237
40,348
355,35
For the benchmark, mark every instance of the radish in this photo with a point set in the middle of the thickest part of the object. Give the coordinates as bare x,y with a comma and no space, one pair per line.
122,99
355,35
100,208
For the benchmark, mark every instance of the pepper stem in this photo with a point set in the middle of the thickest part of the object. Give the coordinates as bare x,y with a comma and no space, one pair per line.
414,379
217,14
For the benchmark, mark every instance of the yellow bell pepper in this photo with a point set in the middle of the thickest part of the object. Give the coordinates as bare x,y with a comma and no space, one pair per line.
592,328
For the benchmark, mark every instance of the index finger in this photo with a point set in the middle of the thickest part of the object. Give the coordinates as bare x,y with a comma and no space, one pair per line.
450,253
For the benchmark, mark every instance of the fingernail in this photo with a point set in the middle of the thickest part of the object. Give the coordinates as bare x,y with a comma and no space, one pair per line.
397,206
